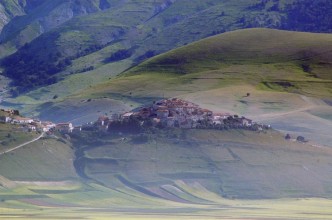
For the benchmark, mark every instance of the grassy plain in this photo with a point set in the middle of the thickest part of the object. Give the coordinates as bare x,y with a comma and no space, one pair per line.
230,209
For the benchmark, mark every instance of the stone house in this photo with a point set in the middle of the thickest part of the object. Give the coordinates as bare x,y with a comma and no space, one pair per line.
127,115
64,127
162,113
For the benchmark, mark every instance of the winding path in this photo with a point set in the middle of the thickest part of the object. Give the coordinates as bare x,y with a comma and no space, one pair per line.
22,145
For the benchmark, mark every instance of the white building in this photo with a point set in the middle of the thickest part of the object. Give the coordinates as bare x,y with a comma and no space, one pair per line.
20,120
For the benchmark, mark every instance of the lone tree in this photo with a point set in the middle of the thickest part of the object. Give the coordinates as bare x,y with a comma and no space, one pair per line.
300,139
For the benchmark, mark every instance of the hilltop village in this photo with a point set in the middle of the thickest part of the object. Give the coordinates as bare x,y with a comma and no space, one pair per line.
177,113
166,113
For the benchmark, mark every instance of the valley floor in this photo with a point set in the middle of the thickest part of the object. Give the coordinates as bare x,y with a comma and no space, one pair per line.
305,209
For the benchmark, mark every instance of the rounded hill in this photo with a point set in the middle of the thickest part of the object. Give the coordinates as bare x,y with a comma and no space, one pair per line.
248,46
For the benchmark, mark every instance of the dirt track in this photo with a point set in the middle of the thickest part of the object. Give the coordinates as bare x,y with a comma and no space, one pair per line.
22,145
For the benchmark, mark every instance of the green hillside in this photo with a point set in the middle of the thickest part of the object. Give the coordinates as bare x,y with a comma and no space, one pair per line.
216,72
139,30
44,160
265,62
12,135
286,73
268,60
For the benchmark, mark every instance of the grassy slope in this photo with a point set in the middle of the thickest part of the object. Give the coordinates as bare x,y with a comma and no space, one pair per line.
232,164
258,57
179,173
12,136
46,159
151,30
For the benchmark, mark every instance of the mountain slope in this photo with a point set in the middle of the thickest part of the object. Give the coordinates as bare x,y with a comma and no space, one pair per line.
139,30
294,59
9,9
42,16
76,38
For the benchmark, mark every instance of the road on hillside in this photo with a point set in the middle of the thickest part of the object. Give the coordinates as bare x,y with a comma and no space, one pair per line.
309,105
22,145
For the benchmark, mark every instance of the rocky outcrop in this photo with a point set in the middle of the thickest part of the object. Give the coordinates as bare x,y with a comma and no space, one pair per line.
38,16
9,9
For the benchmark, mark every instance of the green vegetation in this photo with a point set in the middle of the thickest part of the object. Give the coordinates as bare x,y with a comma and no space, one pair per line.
13,135
311,13
146,28
45,160
266,59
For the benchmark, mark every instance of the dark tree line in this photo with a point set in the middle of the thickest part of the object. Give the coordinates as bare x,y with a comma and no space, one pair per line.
308,15
130,125
29,69
301,15
119,55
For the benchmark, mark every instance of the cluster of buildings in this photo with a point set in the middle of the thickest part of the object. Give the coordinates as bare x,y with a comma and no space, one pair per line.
29,124
171,113
179,113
